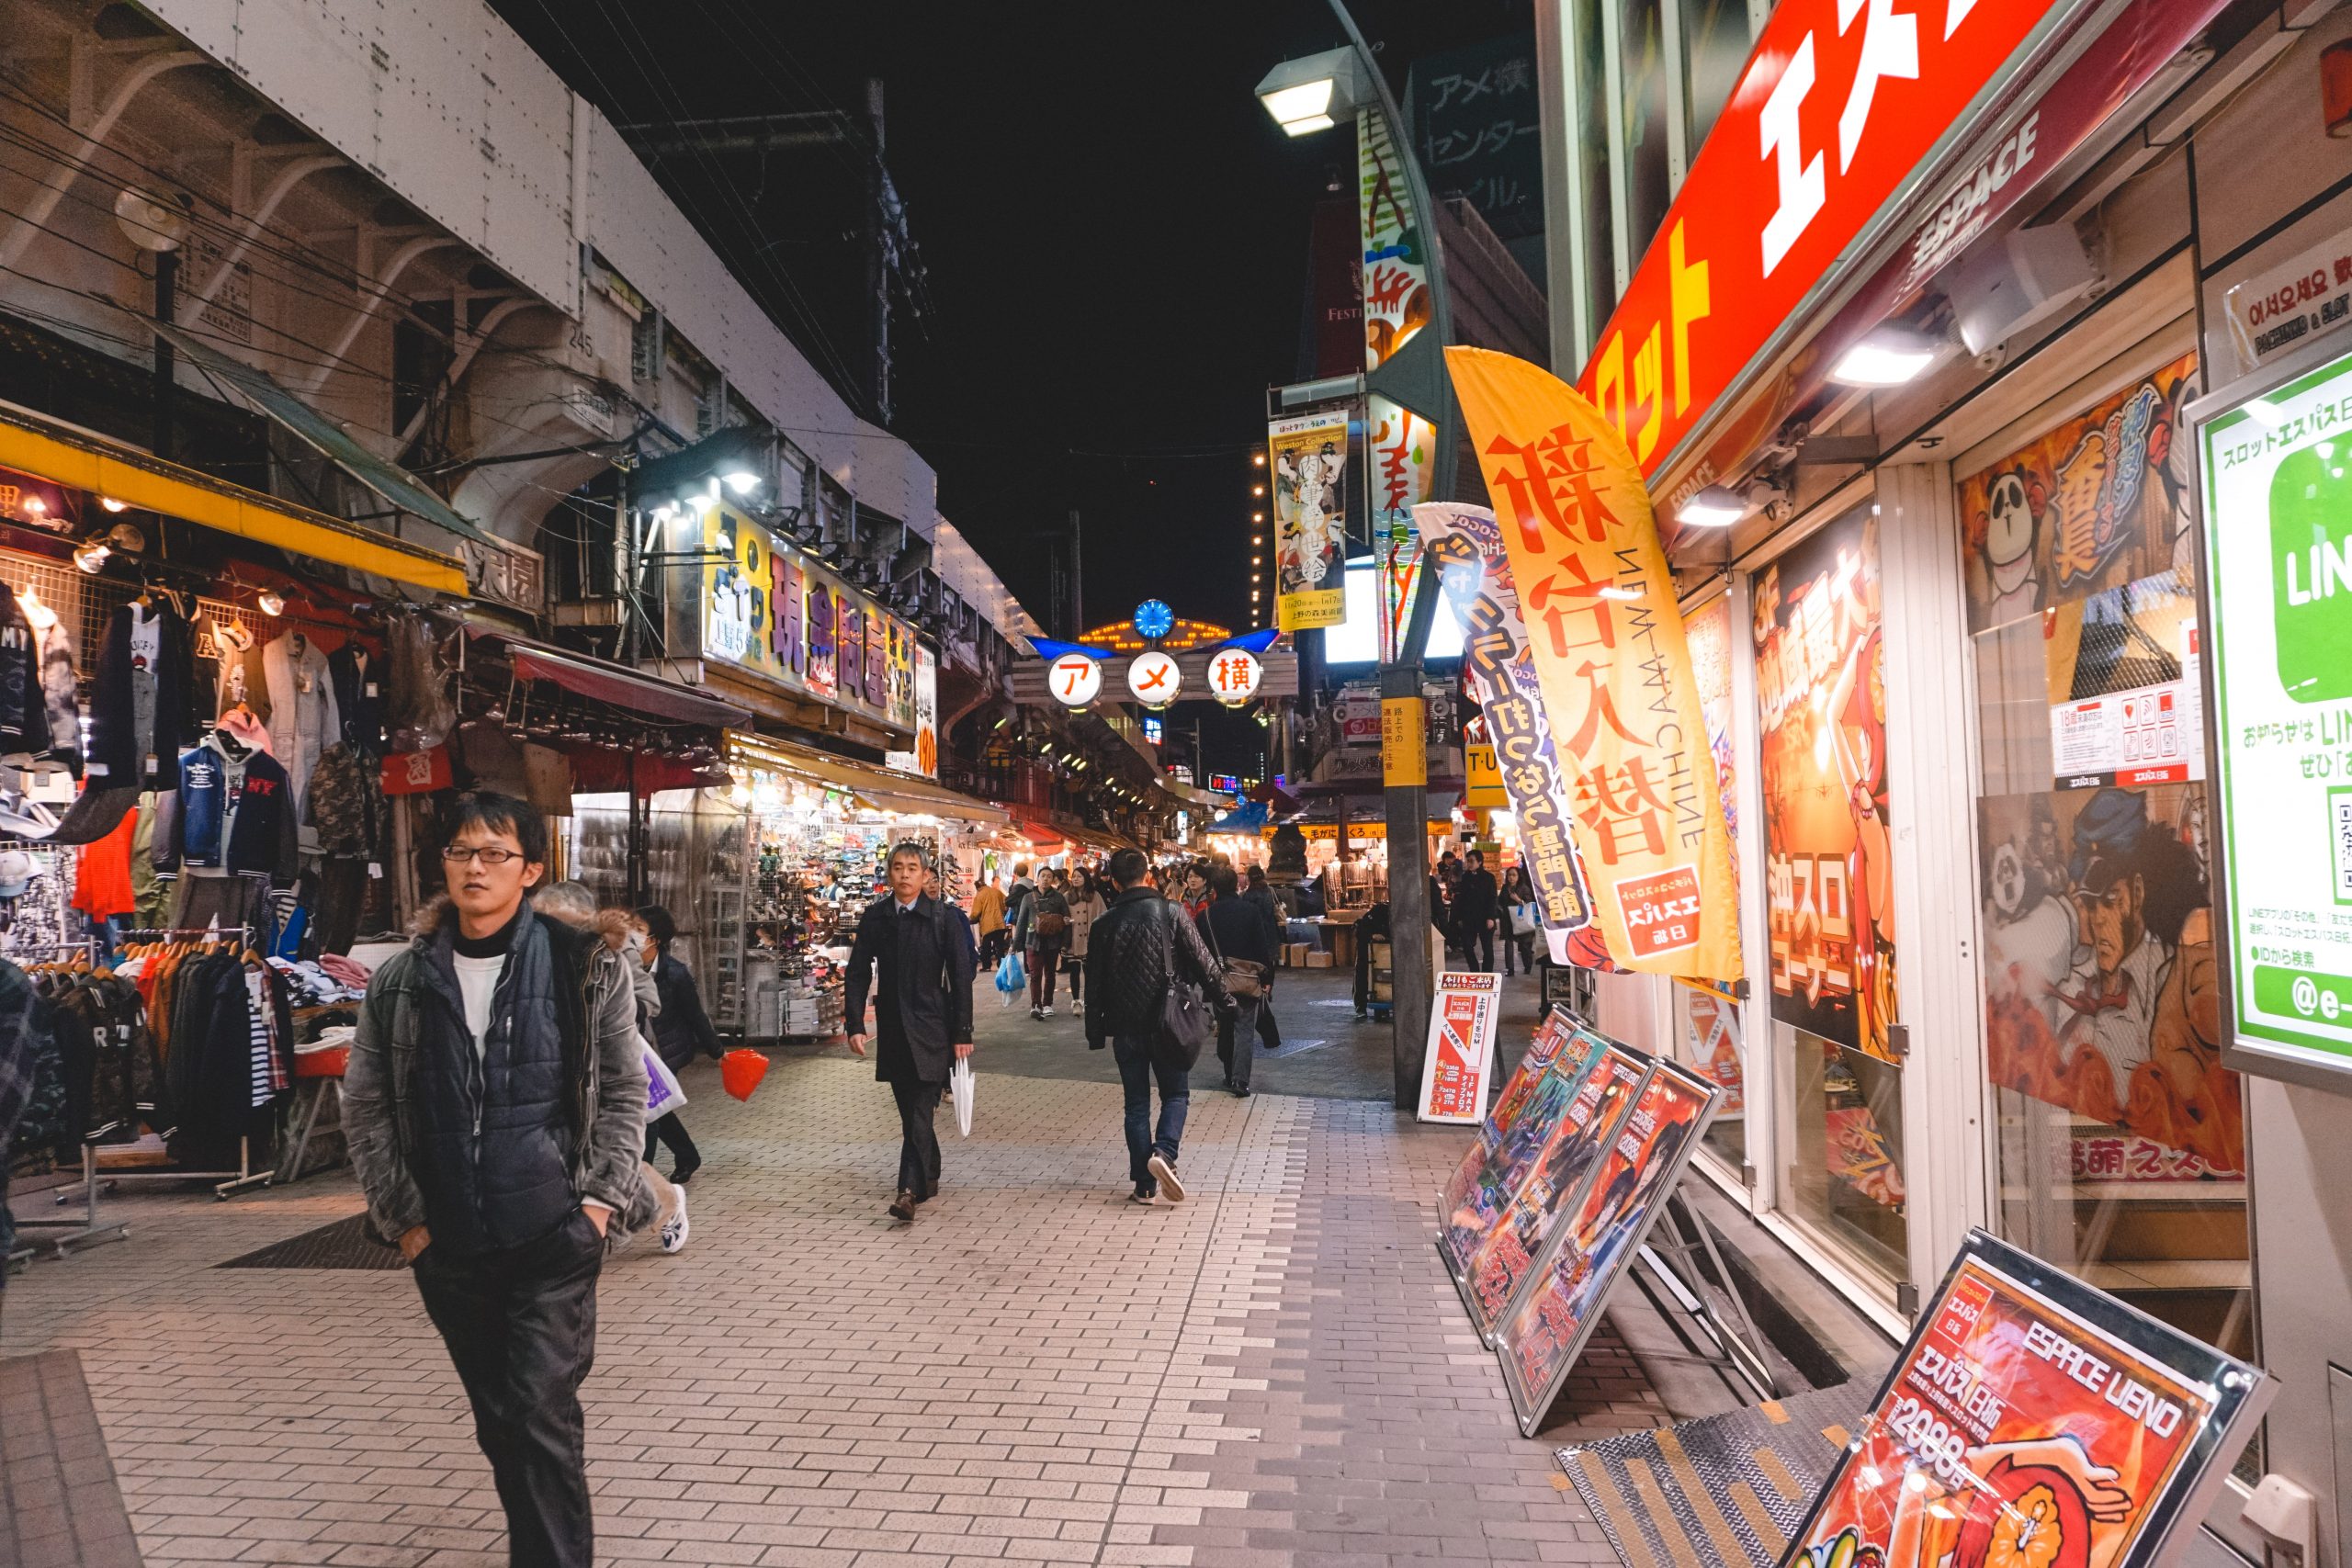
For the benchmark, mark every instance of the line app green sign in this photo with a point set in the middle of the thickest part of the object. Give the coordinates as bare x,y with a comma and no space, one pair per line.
2278,559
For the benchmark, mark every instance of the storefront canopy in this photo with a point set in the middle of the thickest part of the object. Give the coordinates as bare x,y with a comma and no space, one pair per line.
624,688
82,459
886,789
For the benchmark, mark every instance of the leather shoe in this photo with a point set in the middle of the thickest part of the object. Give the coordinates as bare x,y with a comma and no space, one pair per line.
903,1207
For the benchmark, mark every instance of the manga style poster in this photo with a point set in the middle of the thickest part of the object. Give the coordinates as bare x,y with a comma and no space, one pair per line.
1552,1033
1466,543
1555,1180
1491,1173
1308,460
2032,1422
1821,686
1546,1331
849,645
2100,500
824,669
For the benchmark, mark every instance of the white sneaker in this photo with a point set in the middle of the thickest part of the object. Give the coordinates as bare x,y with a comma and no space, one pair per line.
673,1229
1163,1170
1046,1012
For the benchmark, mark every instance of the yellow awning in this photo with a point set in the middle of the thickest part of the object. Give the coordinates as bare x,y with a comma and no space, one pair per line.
82,459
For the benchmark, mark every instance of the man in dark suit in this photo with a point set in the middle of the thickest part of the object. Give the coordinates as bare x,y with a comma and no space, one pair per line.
922,1007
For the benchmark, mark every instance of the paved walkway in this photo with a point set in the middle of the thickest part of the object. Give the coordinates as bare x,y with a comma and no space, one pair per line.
1275,1373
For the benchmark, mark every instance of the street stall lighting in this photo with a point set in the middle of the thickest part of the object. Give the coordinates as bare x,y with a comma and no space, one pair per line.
741,482
1889,357
273,604
1717,506
1313,93
92,558
111,504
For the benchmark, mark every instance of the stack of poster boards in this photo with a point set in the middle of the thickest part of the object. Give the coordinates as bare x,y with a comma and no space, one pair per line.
2031,1419
1552,1203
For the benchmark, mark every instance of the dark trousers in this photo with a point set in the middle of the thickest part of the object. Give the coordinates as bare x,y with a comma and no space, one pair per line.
992,947
1043,961
1525,943
521,1326
918,1139
1236,1039
668,1130
1074,968
1476,940
1137,1072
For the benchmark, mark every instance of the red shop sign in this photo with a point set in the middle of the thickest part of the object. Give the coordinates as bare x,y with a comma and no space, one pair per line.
1841,102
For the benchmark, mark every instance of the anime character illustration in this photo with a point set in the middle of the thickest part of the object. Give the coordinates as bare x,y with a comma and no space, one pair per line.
2108,1003
2037,1504
2005,535
1488,1180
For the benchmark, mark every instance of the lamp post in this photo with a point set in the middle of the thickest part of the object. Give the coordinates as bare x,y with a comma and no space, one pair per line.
1306,96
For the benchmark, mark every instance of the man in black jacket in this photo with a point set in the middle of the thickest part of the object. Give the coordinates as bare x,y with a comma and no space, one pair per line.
494,1106
682,1031
1236,929
1477,904
923,1011
1138,950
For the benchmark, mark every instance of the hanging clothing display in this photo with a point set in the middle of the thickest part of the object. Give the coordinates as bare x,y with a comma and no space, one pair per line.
233,812
101,1020
421,706
347,805
24,715
102,878
239,675
303,717
358,678
151,896
37,916
61,686
139,707
227,1056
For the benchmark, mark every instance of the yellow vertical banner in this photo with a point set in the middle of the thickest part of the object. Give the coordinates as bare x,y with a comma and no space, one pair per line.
1606,635
1404,742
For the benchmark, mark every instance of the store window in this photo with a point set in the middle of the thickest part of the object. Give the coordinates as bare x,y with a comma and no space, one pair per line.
2119,1141
1707,1020
1821,690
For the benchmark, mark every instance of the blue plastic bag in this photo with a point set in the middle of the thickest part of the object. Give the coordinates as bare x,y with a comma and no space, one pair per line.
1011,979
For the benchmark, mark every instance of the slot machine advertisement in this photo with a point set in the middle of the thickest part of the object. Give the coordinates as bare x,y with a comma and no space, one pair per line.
1491,1173
1550,1320
2032,1420
1457,1068
1555,1182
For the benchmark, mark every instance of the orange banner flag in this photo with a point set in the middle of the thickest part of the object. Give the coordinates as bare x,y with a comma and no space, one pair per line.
1606,634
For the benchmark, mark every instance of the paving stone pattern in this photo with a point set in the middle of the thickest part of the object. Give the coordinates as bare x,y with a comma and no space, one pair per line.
1037,1371
59,1503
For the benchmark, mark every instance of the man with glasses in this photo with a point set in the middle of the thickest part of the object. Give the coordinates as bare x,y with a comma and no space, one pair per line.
494,1106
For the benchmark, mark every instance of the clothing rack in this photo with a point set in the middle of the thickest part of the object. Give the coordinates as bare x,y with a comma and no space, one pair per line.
61,1234
230,1182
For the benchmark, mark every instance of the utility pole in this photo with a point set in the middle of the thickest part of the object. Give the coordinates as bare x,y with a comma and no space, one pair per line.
167,274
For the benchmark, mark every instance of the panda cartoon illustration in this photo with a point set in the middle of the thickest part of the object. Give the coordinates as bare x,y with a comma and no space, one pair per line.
2010,533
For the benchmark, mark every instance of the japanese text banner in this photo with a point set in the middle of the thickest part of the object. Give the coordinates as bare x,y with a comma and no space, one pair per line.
1466,543
1618,687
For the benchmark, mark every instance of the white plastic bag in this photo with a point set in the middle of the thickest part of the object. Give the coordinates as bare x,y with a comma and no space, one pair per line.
662,1094
960,1084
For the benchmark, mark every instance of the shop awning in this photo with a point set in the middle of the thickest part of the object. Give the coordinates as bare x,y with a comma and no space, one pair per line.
600,681
886,789
266,398
82,459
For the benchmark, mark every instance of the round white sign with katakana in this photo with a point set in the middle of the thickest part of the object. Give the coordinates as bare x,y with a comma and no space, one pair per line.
1154,678
1234,674
1075,679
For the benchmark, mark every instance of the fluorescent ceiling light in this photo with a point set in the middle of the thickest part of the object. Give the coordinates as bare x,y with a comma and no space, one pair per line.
742,482
1713,507
1887,357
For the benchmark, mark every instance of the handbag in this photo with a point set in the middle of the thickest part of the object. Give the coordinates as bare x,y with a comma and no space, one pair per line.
1051,925
1184,1012
1244,977
1522,917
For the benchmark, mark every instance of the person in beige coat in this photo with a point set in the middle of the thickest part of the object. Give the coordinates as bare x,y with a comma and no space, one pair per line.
1085,903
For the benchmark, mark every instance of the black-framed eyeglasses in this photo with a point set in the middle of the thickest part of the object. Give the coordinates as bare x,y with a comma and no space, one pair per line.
489,854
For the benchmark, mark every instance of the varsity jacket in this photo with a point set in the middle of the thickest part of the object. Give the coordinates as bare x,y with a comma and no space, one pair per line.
249,828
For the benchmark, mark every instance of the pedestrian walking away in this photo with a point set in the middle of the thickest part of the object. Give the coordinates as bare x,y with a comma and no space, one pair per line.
988,915
1042,933
1141,949
1241,943
1262,896
1085,905
494,1105
682,1031
911,956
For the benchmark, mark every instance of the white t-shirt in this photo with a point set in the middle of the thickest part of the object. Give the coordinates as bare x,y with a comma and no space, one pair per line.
477,982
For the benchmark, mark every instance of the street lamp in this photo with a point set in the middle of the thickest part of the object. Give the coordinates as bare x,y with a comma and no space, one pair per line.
1313,94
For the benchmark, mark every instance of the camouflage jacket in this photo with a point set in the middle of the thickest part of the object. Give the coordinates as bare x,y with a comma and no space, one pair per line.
346,804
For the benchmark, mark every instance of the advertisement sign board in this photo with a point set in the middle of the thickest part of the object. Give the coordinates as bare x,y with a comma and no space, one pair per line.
1522,1123
1396,273
1308,460
2032,1418
2281,666
1554,1186
1554,1313
1466,544
1457,1067
767,609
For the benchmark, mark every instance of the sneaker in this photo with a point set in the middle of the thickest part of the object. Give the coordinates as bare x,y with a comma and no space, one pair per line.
1142,1199
1163,1170
1047,1013
1240,1091
673,1229
902,1207
1037,1012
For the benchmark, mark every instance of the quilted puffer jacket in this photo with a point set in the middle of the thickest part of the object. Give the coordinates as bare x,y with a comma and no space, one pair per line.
1139,948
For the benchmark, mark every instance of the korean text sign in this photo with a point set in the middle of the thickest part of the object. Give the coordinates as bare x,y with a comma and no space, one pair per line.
1598,605
2031,1419
2281,662
1840,100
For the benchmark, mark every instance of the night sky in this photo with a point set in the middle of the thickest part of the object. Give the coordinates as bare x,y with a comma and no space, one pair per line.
1113,236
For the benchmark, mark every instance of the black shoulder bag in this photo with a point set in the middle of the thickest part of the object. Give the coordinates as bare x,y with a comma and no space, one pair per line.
1184,1012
